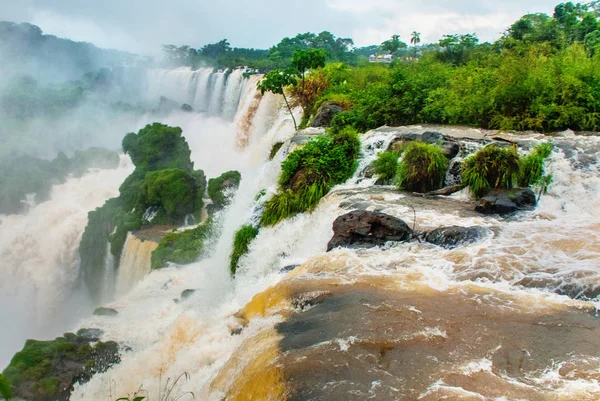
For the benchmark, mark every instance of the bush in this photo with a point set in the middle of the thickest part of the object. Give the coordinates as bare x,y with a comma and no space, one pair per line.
422,168
182,247
386,165
173,190
5,389
309,172
491,167
531,167
241,242
217,187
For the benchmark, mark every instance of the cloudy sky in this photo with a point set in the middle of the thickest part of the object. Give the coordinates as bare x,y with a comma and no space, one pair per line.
143,25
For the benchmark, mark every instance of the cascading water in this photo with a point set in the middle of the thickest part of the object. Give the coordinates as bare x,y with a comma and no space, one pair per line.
135,263
217,91
194,336
40,259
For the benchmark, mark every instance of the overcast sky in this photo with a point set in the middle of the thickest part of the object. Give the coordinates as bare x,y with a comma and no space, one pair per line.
143,25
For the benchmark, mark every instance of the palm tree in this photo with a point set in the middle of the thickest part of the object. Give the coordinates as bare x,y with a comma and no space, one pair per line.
415,39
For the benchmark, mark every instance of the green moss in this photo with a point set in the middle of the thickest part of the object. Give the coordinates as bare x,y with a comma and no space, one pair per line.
386,165
489,168
41,367
241,242
531,167
172,190
5,388
157,147
182,247
275,149
217,187
422,168
308,174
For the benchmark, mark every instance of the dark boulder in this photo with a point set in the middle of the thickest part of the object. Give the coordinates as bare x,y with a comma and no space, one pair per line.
325,114
432,137
288,269
186,294
454,236
505,201
105,312
364,229
450,147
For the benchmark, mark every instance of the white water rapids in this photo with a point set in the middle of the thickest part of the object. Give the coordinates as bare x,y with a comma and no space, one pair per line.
556,248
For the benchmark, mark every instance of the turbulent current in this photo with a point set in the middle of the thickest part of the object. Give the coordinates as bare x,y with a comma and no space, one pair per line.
512,317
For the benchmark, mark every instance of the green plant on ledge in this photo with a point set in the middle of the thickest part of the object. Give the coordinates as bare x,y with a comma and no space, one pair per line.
422,168
492,167
241,243
309,172
386,165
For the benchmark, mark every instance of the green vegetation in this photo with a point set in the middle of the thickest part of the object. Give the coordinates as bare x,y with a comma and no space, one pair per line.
276,81
44,369
422,168
183,247
531,167
218,187
241,242
173,189
492,167
309,172
386,165
5,388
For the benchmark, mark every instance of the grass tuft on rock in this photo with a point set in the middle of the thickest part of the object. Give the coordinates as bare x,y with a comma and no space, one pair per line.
309,172
422,168
532,167
275,149
386,165
242,239
492,167
182,247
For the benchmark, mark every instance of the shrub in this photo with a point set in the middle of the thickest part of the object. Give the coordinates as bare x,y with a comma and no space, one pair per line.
173,190
241,242
531,168
217,187
386,165
491,167
422,168
5,389
310,171
182,247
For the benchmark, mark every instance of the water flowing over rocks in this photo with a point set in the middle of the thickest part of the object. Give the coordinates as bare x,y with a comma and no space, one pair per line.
363,229
454,236
507,201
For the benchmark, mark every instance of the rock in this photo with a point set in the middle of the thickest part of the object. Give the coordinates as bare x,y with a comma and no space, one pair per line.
505,201
48,370
369,171
308,299
453,176
90,334
186,294
450,149
325,114
454,236
187,108
432,137
105,312
364,229
288,269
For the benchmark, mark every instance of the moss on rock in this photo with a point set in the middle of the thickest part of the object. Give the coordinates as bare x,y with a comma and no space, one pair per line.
491,167
48,370
422,168
241,242
183,247
218,188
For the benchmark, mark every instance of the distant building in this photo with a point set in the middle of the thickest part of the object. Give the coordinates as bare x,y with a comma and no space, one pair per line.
386,58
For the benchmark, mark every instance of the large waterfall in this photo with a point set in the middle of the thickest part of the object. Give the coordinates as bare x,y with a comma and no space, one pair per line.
500,319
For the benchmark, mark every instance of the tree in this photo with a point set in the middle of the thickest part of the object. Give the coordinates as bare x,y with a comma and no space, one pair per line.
276,81
415,39
393,45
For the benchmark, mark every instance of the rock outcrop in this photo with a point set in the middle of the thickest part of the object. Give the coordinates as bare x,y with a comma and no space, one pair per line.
364,229
506,201
455,236
325,114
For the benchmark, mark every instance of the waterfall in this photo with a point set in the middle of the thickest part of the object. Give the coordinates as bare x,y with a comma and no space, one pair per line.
200,102
109,277
40,259
216,97
233,93
135,262
195,334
